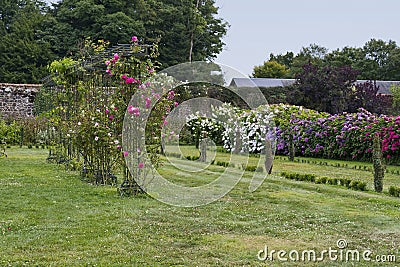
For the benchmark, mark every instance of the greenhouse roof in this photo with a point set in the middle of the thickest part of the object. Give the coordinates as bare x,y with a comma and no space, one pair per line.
384,86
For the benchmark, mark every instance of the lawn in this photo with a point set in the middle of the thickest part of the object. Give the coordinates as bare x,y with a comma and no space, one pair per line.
49,217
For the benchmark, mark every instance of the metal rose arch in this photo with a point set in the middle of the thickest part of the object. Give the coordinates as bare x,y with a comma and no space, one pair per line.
134,141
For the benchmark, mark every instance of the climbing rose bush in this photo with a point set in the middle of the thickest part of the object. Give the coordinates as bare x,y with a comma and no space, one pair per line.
92,103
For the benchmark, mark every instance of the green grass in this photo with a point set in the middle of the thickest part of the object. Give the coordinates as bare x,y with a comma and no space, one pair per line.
57,220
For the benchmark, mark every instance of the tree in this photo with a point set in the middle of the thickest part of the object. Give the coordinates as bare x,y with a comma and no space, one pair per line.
376,55
270,69
186,30
286,59
348,56
24,54
324,89
365,95
376,60
313,54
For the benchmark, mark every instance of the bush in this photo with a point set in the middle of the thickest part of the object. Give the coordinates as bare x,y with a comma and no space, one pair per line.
193,158
362,186
345,182
309,177
332,181
251,168
355,185
10,133
343,136
358,185
394,191
222,163
222,150
321,180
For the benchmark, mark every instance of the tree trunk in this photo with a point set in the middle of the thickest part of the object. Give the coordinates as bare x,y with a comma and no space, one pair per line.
192,35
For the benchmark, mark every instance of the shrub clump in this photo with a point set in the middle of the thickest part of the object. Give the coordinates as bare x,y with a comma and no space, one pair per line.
394,191
352,184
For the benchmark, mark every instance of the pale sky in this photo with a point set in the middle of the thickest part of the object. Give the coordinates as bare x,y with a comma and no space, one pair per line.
261,27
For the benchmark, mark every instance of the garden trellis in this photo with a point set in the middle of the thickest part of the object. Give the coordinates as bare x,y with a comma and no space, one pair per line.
86,101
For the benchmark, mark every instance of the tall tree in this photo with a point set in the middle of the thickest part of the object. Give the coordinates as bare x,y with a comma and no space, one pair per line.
376,60
312,54
324,88
24,54
270,69
286,59
185,30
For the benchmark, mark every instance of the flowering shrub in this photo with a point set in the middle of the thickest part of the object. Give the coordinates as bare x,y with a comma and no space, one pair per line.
244,131
10,134
24,131
340,136
198,125
315,134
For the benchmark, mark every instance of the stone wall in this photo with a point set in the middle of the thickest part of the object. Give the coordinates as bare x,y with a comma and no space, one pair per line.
17,99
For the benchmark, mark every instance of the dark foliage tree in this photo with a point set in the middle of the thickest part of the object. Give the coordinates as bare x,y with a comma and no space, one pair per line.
24,53
365,95
323,88
286,59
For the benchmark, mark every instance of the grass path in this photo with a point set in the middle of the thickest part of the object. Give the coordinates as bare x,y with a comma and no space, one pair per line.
48,217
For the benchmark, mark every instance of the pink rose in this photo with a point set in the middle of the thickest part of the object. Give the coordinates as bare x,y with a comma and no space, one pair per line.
129,80
148,102
134,110
171,95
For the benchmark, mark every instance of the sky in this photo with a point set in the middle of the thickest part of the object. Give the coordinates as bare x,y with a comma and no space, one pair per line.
261,27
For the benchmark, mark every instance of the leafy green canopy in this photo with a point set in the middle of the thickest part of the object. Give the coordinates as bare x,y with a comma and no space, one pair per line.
376,60
24,53
33,34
